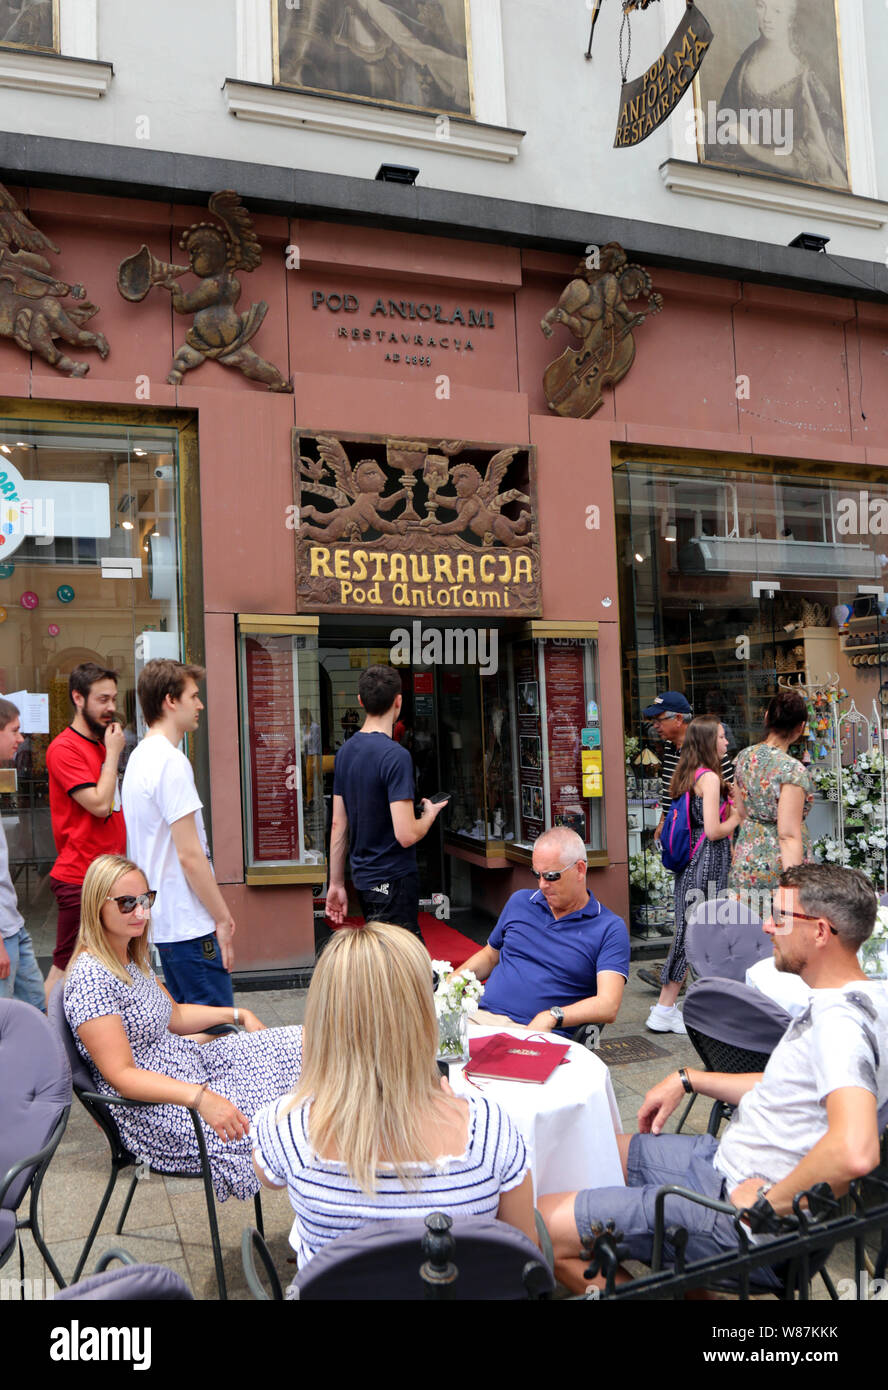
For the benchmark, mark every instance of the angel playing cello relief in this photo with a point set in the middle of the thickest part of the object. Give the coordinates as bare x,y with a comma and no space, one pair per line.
218,331
369,535
36,308
595,307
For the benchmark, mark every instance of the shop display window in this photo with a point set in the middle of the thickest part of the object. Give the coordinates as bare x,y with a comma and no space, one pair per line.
281,750
89,571
736,583
522,749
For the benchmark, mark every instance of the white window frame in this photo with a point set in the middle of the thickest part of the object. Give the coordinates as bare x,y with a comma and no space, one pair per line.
860,207
251,94
73,72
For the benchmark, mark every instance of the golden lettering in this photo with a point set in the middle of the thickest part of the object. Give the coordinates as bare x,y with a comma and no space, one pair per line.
341,567
485,567
505,568
465,569
420,576
360,569
397,566
400,595
443,569
523,569
320,561
380,557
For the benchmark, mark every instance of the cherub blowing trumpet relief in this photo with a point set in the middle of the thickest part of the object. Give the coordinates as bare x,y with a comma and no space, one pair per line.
218,332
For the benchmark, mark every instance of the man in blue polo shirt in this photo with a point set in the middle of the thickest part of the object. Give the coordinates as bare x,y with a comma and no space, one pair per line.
557,957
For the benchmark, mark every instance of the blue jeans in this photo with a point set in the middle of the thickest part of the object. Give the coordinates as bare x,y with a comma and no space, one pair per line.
194,972
24,980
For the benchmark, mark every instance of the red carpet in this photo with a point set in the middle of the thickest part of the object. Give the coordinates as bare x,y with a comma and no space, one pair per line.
441,942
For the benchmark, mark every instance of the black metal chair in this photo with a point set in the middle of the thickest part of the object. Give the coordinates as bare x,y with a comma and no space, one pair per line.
99,1108
733,1028
35,1101
413,1260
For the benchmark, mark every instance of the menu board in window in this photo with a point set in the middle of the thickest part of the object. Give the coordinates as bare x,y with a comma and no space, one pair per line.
565,720
531,802
272,748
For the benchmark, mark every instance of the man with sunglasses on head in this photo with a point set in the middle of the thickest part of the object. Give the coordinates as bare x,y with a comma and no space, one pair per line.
812,1116
557,957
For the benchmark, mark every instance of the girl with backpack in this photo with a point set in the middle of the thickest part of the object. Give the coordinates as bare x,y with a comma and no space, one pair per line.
696,845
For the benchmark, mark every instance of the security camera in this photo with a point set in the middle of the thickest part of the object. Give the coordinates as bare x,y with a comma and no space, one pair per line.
164,470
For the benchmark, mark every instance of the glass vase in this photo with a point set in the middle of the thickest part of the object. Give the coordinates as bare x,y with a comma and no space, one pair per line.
453,1036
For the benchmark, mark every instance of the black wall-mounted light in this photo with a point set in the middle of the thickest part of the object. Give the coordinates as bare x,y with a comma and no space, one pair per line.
396,173
810,241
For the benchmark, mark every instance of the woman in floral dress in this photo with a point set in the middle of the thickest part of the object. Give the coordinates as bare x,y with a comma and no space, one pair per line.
773,793
134,1039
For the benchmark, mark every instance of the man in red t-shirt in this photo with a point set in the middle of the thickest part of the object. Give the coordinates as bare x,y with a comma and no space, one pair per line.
84,798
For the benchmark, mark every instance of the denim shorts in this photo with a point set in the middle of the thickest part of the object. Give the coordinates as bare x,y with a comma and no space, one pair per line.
660,1160
194,973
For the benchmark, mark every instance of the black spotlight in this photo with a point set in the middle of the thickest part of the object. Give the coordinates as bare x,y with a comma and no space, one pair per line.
809,241
396,173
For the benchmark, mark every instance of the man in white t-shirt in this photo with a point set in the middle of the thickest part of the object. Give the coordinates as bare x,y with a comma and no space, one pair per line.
812,1116
190,923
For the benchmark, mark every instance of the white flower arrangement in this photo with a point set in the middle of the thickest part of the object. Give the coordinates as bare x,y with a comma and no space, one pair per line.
649,878
459,995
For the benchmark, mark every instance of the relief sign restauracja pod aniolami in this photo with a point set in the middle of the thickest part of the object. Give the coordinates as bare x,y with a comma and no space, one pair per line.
390,525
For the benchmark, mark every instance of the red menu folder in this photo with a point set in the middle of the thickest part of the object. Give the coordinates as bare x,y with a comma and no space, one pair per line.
508,1057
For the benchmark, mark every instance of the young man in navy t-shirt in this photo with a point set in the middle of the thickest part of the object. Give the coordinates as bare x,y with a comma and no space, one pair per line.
557,957
373,813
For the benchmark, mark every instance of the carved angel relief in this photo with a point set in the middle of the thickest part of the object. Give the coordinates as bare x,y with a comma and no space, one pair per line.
218,331
33,307
373,531
595,309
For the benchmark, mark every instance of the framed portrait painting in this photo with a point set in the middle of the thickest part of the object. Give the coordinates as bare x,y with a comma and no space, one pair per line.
769,97
412,53
30,24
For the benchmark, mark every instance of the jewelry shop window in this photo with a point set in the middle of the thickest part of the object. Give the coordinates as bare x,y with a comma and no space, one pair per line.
281,754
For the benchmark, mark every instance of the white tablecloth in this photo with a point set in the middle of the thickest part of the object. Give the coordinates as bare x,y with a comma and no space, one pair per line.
789,991
569,1123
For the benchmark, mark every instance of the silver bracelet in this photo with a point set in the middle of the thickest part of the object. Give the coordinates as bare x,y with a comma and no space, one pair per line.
236,1014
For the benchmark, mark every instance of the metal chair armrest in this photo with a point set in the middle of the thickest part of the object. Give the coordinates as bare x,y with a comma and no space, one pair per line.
252,1244
33,1160
114,1252
713,1203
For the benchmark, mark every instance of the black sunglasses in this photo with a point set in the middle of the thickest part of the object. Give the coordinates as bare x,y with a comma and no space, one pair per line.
129,901
551,877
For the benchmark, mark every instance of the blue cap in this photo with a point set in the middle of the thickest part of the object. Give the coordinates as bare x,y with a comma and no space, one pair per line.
670,702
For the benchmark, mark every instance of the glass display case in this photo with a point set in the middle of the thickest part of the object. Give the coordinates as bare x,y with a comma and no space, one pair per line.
281,752
476,760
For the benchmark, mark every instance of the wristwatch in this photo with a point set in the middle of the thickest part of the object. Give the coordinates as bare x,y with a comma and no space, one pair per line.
558,1015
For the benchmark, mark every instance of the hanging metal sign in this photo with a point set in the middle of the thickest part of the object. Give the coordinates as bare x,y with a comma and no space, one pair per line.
646,101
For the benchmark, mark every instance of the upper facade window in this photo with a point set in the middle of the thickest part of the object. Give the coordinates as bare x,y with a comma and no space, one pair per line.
423,73
30,24
409,55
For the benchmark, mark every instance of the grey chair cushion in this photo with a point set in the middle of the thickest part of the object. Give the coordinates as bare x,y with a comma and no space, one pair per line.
724,938
36,1088
7,1234
80,1073
736,1014
132,1283
382,1261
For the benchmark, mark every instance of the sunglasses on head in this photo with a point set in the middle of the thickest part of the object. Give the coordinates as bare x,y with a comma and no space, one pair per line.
129,901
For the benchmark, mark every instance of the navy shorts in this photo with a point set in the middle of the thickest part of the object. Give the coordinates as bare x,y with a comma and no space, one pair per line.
660,1160
194,973
396,902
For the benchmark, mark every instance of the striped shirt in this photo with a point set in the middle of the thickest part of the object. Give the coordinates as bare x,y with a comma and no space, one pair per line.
328,1203
670,763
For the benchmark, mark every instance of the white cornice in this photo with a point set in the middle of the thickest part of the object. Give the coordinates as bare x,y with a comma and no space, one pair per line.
283,106
53,75
725,186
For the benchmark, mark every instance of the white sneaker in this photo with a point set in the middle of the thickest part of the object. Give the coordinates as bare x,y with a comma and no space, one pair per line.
665,1020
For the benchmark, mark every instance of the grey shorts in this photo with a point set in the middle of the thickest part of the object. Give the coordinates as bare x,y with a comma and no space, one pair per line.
657,1161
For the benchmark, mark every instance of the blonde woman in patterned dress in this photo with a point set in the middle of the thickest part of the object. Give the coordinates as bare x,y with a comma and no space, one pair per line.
772,791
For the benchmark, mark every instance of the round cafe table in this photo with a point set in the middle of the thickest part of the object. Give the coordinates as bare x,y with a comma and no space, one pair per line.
569,1123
